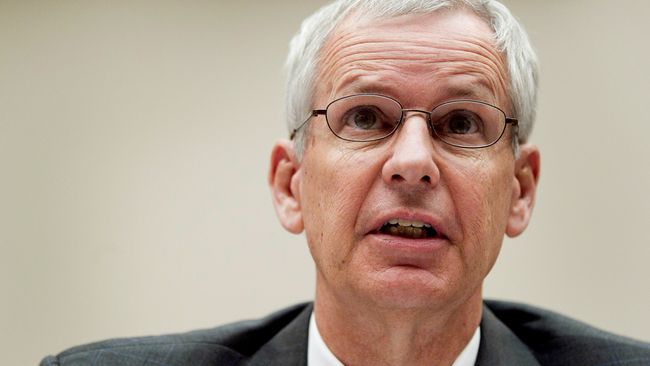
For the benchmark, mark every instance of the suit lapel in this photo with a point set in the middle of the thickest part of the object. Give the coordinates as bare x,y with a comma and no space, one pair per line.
500,346
288,347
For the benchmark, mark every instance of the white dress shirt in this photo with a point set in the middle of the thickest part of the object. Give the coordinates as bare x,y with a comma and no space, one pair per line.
318,354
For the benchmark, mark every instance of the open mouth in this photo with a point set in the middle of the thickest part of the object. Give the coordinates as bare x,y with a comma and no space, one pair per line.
408,229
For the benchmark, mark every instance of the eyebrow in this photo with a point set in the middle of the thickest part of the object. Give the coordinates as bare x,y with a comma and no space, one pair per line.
373,88
461,92
478,91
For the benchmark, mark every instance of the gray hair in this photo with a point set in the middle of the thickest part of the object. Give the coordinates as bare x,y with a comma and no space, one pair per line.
510,39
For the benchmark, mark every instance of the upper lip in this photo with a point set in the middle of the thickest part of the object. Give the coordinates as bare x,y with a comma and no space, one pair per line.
378,222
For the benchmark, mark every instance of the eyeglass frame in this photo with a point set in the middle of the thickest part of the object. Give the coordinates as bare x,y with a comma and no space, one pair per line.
316,112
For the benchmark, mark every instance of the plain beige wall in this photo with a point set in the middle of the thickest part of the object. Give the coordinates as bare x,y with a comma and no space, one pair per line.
134,143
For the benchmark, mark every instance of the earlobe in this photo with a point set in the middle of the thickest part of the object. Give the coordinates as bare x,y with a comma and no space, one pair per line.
284,181
526,176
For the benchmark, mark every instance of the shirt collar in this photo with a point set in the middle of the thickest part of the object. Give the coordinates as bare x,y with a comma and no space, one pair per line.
318,354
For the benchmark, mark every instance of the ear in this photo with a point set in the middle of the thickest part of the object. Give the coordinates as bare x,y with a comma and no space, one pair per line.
284,180
525,180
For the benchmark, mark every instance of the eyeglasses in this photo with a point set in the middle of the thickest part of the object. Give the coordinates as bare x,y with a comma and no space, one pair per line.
372,117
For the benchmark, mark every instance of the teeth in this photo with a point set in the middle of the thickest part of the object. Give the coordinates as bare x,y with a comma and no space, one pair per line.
404,222
408,229
408,232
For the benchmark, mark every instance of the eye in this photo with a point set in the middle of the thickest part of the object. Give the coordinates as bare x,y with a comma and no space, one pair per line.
460,122
365,118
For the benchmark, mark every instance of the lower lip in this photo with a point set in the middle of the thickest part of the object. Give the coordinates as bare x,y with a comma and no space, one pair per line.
399,247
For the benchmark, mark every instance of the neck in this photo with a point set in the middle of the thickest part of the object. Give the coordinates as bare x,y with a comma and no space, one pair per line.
366,334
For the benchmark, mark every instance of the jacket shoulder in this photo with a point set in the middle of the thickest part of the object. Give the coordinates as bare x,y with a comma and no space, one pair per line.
229,344
559,340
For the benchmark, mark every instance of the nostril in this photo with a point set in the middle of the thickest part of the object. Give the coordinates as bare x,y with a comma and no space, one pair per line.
397,178
426,179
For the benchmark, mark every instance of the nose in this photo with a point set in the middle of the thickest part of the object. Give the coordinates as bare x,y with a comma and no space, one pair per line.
412,155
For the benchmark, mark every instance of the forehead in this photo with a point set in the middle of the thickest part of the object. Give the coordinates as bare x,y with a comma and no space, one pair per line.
446,54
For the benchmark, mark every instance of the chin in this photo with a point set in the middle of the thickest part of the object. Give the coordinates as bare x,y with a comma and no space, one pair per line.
406,287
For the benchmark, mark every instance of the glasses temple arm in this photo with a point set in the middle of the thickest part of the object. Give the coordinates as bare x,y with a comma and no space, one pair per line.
314,113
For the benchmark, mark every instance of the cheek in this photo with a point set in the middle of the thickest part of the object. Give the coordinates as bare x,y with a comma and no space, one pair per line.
334,188
482,193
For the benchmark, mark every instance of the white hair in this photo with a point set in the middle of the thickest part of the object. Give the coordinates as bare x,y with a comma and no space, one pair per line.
510,39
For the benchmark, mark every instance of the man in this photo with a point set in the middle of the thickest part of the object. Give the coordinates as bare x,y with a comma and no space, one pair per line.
408,163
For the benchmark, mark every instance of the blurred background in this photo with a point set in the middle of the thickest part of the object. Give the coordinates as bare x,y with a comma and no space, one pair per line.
134,147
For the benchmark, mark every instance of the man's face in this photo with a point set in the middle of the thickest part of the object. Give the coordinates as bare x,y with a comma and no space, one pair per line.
347,192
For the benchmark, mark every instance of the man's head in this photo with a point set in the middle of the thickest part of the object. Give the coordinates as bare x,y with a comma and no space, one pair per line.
407,221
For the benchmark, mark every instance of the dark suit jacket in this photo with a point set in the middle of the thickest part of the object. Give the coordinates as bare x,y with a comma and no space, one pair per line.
511,334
